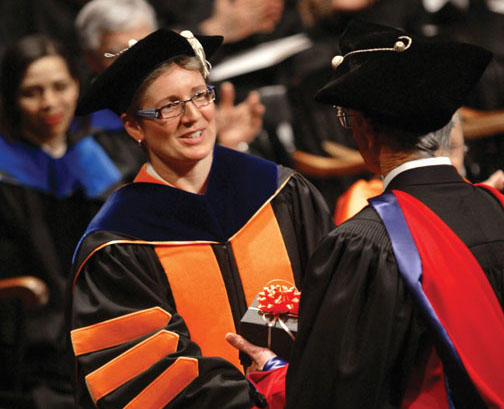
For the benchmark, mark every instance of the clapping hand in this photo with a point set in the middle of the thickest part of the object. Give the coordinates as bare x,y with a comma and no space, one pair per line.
238,125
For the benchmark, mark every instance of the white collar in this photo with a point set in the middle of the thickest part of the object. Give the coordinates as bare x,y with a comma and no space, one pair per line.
412,164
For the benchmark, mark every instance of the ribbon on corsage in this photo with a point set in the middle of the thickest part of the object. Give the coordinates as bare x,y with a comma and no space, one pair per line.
278,301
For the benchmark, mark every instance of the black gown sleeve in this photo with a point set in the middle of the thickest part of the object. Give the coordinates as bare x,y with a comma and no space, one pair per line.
357,331
122,279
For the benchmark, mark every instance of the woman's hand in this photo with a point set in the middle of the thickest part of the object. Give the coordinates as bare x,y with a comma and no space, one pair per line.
259,355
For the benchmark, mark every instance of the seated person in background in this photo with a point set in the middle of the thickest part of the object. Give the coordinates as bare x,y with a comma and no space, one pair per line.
105,28
172,261
53,179
355,198
236,20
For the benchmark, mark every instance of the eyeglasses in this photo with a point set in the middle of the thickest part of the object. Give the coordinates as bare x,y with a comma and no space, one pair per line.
344,117
177,108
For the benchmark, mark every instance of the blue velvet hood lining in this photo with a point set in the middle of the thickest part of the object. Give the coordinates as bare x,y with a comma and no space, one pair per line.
85,166
238,186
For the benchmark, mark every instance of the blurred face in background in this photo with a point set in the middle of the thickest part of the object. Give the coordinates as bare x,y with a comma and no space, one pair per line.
46,99
113,42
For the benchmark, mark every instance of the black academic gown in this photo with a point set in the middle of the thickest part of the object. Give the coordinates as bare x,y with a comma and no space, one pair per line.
360,336
45,206
161,265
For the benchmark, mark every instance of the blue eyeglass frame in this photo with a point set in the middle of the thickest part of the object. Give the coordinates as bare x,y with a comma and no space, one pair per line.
155,113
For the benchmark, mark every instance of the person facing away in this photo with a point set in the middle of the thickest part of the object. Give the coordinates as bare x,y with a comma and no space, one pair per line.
172,261
53,179
385,318
393,297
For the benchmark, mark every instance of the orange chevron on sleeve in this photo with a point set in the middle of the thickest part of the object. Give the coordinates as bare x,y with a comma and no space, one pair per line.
117,331
167,385
131,363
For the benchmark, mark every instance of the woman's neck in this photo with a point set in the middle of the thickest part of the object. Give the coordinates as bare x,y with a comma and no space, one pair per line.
55,146
191,178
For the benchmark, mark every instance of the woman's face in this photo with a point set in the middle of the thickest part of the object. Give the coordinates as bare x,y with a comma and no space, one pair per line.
182,141
47,98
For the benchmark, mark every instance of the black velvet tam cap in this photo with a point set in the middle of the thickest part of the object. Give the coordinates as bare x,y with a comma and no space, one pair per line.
404,81
116,86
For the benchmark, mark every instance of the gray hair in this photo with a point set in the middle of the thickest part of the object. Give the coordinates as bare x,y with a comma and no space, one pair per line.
98,17
436,142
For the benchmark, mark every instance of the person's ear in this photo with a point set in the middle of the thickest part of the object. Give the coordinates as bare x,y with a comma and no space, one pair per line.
373,140
133,128
369,141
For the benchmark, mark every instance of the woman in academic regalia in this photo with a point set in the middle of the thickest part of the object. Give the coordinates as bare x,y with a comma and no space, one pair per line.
172,261
53,179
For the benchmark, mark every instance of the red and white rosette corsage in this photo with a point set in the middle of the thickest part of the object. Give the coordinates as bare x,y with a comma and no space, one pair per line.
278,301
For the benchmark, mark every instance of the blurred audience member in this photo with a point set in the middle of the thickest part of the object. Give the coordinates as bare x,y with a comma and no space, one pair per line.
53,178
484,26
105,27
238,19
235,20
314,123
312,11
